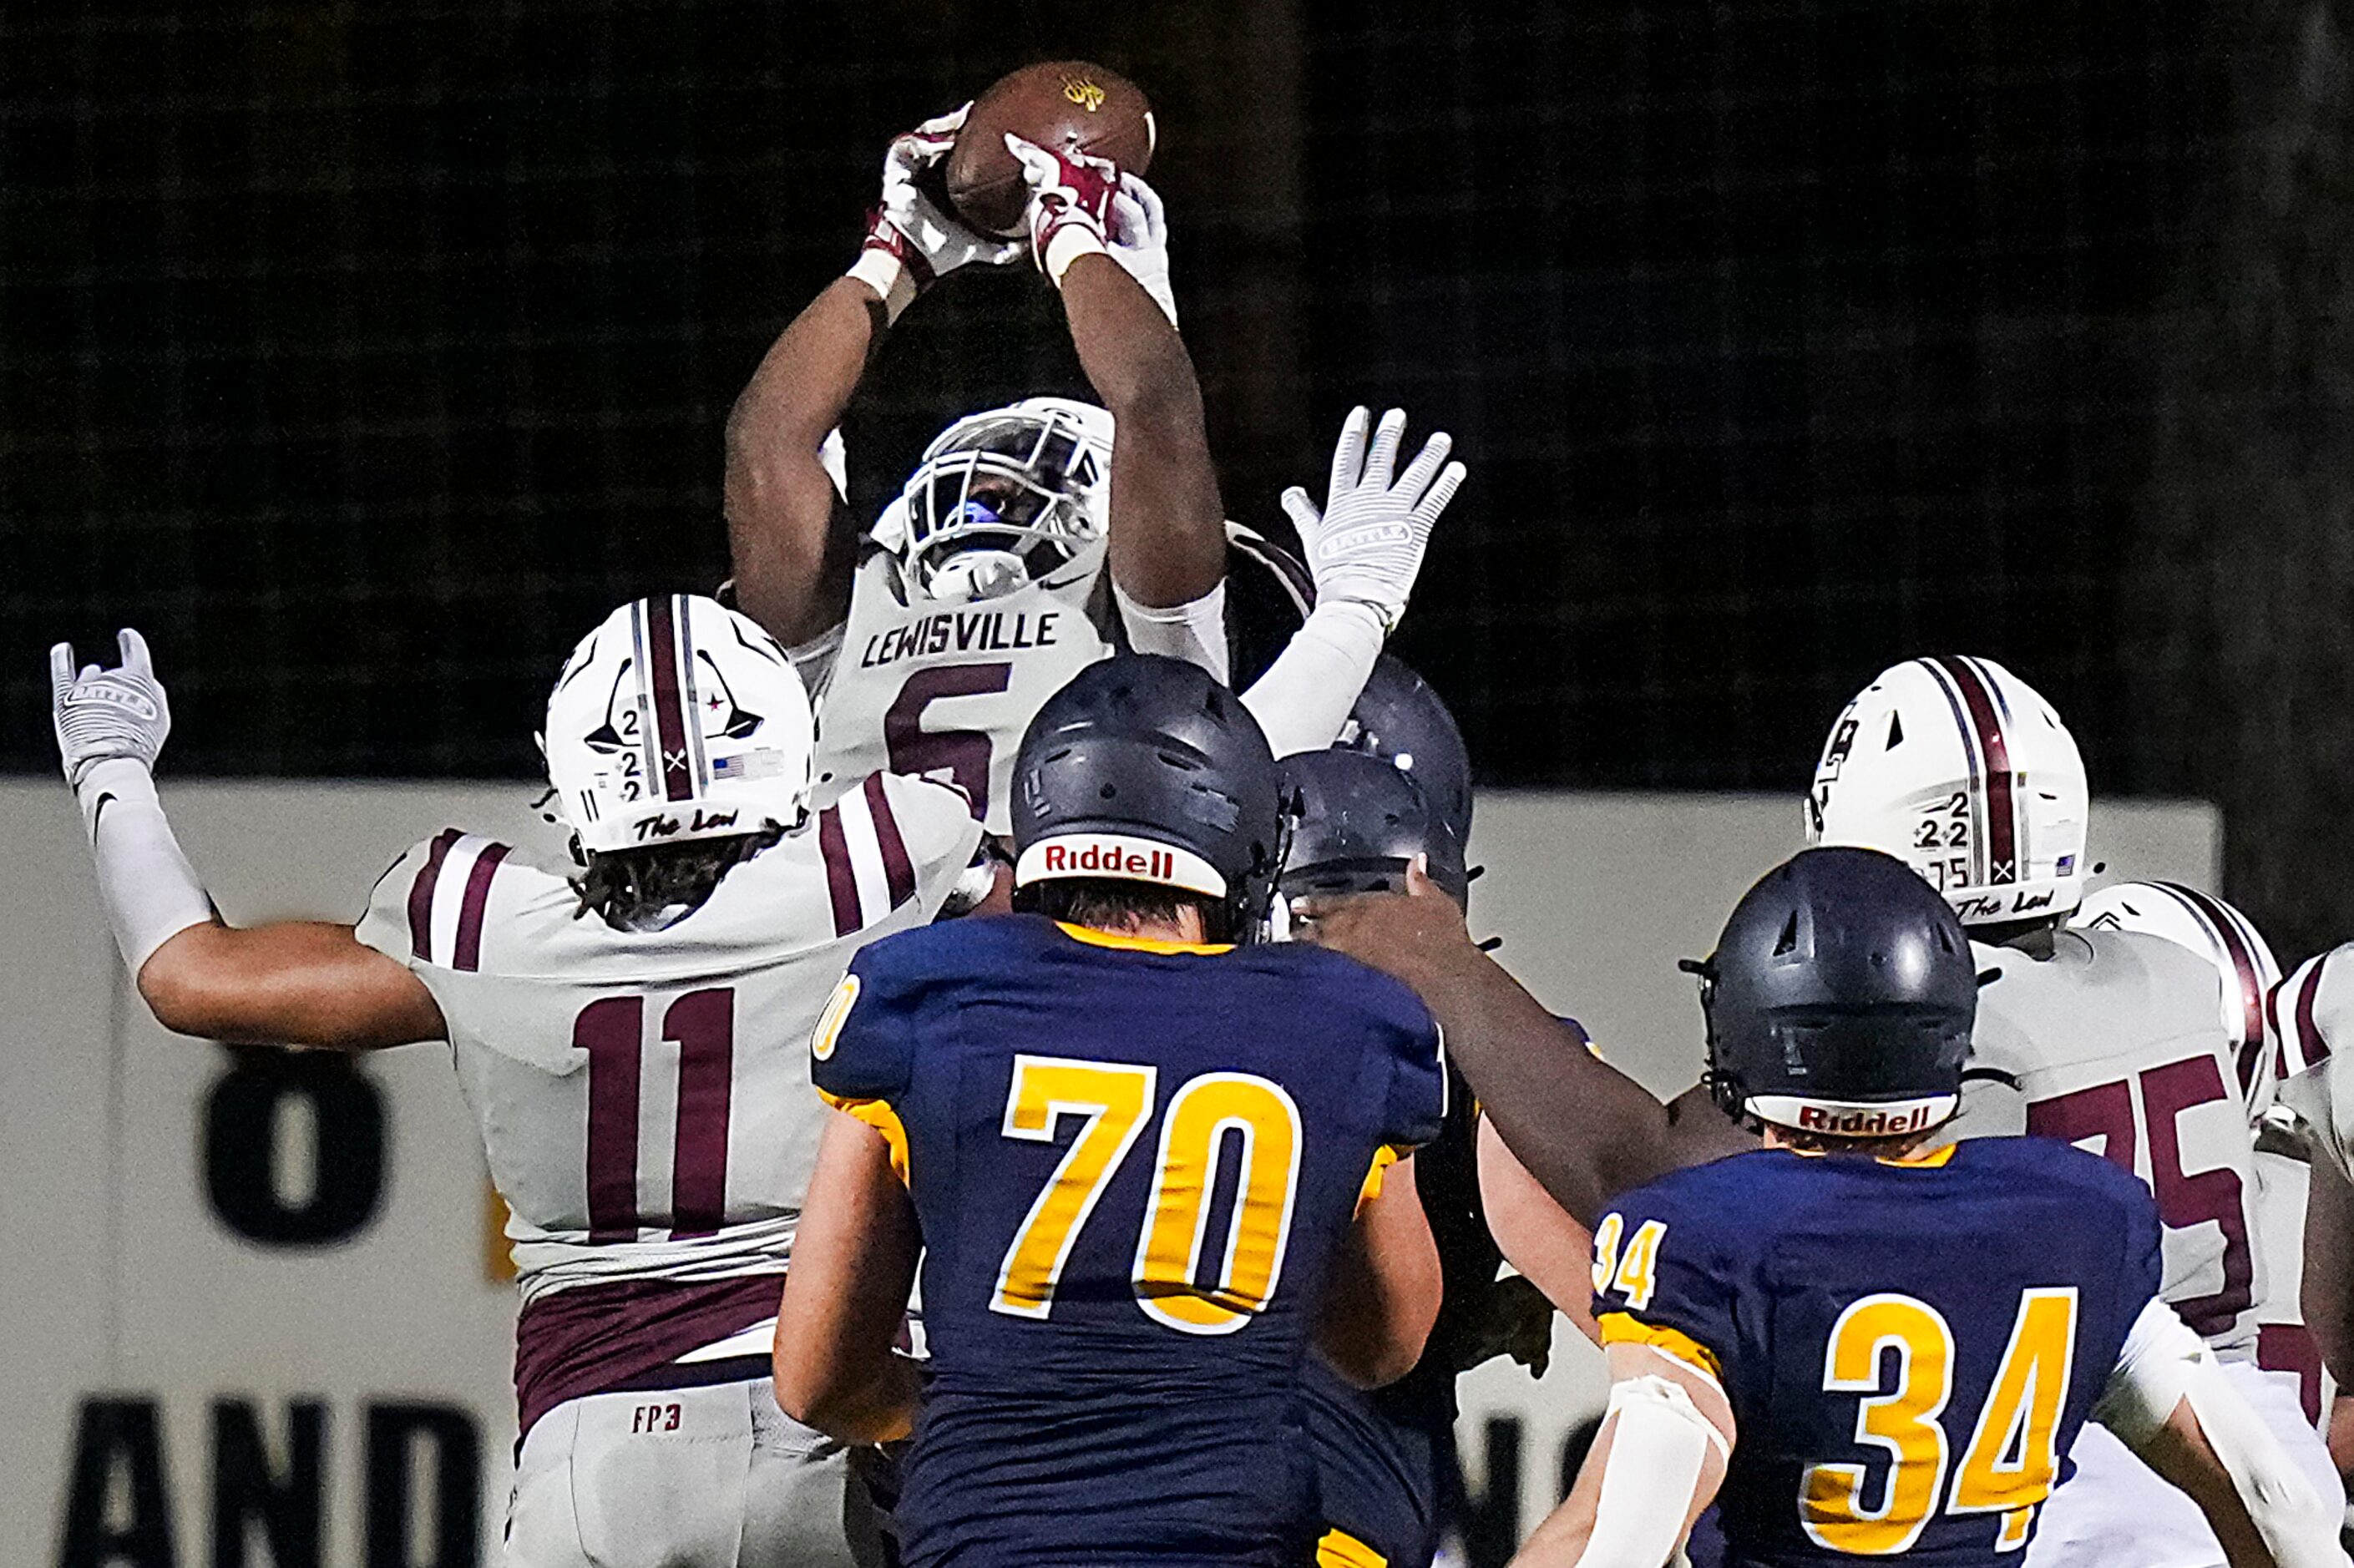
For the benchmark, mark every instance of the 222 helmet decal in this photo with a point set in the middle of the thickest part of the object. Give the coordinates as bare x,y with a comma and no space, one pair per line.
1962,770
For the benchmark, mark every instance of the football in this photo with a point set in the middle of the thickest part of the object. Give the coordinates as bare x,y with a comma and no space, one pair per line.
1070,105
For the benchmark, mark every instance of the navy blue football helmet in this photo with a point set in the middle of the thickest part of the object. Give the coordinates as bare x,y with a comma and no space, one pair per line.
1840,1000
1401,720
1144,768
1358,821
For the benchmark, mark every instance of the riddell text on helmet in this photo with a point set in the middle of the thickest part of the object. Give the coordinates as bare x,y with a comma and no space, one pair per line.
1914,1118
1110,860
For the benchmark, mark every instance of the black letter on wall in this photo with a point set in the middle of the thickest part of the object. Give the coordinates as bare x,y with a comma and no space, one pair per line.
394,1433
1491,1520
117,1436
247,1488
241,1146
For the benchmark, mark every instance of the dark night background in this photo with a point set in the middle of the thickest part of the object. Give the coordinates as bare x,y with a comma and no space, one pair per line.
364,355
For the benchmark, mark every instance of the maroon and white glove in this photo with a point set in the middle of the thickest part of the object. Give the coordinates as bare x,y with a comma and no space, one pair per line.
1139,240
910,239
1069,214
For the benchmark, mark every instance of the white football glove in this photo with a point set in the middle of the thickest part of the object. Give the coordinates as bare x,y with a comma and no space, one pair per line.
908,229
1139,240
1367,543
1071,195
105,714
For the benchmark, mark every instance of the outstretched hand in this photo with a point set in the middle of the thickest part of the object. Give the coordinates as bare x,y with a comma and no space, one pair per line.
101,715
1367,542
1140,239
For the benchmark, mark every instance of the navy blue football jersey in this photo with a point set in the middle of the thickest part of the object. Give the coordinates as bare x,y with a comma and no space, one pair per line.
1132,1163
1909,1346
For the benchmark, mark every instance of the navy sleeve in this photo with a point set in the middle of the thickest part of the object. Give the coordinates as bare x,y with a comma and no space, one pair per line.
863,1048
1417,1096
1666,1274
2144,1236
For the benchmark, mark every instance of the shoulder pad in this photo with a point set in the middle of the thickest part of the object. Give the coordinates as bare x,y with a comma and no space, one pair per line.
431,907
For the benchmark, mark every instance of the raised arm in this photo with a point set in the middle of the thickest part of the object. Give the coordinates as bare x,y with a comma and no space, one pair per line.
846,1294
793,540
1167,525
1383,1295
1585,1131
1365,549
292,983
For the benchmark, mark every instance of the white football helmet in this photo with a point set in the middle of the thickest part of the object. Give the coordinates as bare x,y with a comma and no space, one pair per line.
2216,932
1959,767
1001,498
677,719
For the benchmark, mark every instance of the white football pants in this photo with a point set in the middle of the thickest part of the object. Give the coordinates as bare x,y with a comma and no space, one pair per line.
2115,1511
691,1477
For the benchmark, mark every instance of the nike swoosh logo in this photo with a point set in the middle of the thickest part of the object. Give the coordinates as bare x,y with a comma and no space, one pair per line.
97,816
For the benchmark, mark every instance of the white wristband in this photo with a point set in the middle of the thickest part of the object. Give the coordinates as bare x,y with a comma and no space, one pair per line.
888,277
150,891
1066,245
1193,632
1306,695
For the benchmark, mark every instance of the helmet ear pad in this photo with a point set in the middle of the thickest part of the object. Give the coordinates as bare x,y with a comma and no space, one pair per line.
1725,1088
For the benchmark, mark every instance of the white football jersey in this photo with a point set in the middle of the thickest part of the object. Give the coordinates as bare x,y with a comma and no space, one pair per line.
645,1097
946,690
2308,1013
2116,1043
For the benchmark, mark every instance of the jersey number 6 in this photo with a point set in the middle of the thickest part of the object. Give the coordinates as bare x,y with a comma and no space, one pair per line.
962,754
1112,1101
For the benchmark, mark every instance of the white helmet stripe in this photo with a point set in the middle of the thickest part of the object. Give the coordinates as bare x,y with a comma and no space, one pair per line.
1994,793
690,696
2234,941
